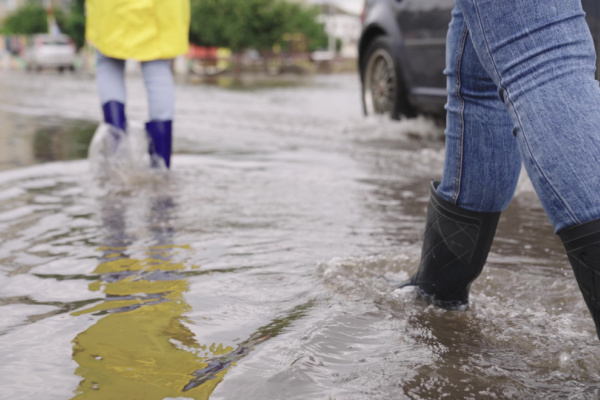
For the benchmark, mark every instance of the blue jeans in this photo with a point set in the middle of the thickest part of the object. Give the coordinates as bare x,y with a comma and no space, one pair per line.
158,79
521,89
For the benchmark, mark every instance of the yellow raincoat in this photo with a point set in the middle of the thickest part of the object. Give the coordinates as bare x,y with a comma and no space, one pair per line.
140,29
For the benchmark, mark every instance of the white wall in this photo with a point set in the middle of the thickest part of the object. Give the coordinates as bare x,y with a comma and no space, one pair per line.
345,27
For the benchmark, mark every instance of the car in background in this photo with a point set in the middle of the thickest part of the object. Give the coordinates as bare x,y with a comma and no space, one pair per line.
50,51
402,55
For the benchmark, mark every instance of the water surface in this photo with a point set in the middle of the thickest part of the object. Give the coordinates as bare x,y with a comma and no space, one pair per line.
252,270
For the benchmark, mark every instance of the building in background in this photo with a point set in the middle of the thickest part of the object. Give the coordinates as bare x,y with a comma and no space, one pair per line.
340,24
9,6
343,26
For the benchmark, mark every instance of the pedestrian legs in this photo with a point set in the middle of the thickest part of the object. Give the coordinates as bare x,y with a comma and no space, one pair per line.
161,105
110,80
481,170
540,57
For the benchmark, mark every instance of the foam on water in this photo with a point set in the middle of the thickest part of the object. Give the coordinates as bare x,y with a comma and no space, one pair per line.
121,158
381,127
514,340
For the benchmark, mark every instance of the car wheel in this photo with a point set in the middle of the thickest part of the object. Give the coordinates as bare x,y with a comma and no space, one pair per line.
383,91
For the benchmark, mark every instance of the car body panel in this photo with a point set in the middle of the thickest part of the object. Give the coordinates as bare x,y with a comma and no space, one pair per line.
424,25
379,21
592,9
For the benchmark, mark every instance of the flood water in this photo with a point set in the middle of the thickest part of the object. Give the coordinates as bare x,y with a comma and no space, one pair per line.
253,269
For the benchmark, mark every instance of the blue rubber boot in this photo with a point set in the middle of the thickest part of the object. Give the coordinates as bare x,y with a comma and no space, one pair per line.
114,114
159,141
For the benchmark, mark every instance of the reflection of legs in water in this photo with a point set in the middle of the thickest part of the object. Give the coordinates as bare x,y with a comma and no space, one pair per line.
161,103
110,79
162,211
113,220
139,346
540,56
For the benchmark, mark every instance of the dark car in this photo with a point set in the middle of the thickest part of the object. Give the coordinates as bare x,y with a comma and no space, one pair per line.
402,54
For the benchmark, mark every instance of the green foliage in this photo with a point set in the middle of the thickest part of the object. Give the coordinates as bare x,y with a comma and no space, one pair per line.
32,18
207,19
261,24
304,20
73,24
29,19
257,24
237,24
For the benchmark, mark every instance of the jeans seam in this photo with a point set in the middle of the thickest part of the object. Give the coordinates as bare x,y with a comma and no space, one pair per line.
461,116
508,99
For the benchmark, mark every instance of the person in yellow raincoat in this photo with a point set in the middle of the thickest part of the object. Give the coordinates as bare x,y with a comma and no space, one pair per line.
152,32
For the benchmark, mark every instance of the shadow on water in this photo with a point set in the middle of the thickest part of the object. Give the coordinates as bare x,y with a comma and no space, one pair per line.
28,140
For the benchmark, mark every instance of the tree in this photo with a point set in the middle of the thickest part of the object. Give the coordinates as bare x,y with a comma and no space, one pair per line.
29,19
257,24
208,17
303,20
237,24
32,18
73,24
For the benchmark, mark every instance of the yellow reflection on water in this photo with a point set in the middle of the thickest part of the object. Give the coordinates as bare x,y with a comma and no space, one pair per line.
141,348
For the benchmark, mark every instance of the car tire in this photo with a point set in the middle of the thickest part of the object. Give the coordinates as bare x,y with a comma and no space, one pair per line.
383,90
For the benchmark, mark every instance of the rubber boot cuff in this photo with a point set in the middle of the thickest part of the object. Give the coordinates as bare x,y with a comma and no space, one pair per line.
160,141
582,243
114,114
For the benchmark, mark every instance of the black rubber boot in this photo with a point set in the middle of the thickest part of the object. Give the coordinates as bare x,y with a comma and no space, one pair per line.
582,243
455,247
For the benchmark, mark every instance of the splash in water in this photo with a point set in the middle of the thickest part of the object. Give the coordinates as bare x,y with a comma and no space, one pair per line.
119,156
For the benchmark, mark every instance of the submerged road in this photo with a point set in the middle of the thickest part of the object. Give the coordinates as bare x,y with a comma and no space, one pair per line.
252,271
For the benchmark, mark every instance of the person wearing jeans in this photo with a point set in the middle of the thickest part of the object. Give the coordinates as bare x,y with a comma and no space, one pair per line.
152,32
521,90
